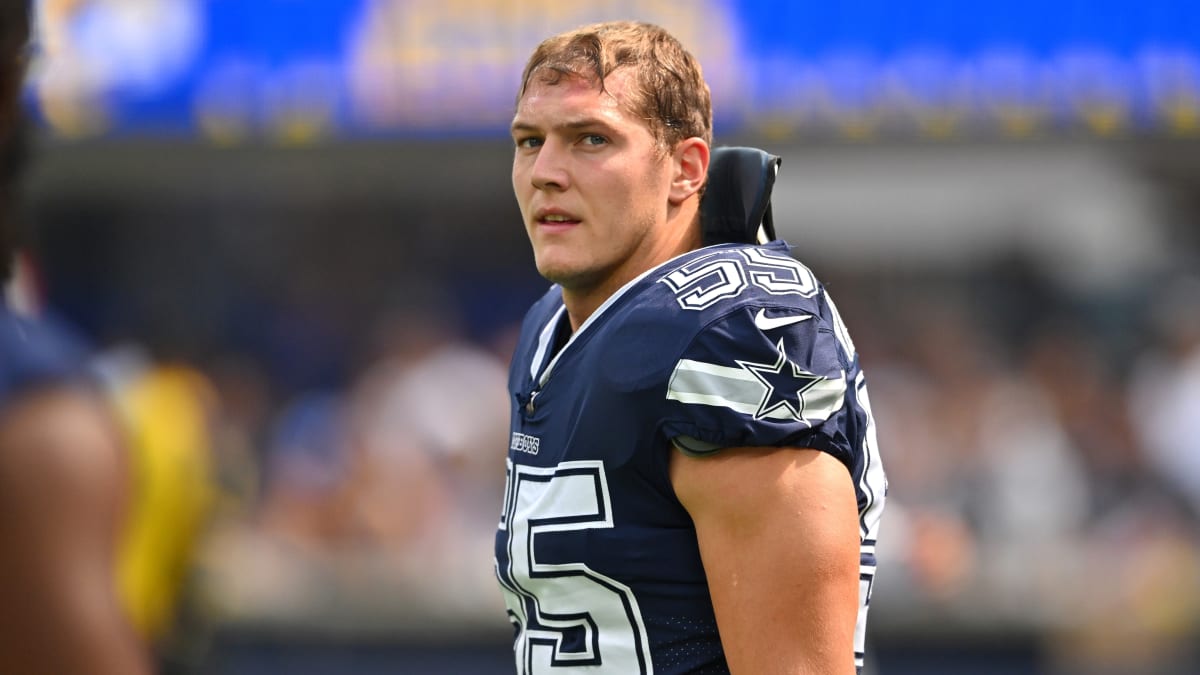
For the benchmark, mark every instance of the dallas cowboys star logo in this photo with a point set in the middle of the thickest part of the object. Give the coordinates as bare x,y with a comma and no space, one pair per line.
785,387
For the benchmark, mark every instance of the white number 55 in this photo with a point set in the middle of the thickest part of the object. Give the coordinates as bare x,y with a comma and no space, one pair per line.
707,280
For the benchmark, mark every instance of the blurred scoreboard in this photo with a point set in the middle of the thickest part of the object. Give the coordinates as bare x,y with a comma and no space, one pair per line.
300,71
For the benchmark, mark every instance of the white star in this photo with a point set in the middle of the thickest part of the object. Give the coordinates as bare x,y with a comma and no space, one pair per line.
781,386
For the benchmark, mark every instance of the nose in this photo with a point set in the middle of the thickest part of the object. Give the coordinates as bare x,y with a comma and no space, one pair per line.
549,170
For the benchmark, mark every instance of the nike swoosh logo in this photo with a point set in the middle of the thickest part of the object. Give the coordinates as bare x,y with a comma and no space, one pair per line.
765,322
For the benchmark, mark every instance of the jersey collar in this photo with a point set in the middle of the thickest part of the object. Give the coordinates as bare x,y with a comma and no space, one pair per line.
546,338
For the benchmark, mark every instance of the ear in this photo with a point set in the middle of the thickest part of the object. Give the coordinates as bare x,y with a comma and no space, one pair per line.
689,164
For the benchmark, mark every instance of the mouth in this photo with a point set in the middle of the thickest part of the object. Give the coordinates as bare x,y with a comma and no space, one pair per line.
555,219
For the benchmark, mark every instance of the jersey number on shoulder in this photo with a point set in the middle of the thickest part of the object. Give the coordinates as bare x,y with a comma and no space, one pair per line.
567,615
703,282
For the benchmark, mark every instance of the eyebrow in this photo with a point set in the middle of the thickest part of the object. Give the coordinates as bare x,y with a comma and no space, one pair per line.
574,125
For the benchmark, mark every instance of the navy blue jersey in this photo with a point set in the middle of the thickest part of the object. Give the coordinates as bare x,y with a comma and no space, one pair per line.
35,353
727,346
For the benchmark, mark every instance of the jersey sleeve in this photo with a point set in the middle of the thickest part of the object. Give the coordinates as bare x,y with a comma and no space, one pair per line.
36,353
761,376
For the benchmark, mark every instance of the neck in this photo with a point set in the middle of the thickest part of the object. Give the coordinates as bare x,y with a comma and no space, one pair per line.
681,234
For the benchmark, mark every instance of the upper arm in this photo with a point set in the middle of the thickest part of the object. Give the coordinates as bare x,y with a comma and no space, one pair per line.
779,538
62,486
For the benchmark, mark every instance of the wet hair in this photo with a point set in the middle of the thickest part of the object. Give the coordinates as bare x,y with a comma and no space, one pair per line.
14,40
668,91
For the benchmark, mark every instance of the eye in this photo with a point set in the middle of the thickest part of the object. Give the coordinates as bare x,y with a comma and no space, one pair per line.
594,139
529,142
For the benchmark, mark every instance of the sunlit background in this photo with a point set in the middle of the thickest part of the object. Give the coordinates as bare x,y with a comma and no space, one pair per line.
288,227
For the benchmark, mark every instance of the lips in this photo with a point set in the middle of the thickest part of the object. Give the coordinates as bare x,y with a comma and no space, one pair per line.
554,217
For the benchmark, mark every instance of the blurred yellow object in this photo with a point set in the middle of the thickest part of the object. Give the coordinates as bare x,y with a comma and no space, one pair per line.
1183,116
858,127
1104,119
166,415
223,130
1019,121
74,117
940,123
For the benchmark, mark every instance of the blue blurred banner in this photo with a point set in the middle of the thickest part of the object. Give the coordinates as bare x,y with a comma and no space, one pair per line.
296,71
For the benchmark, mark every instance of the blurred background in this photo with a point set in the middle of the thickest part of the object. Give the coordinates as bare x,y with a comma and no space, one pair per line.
287,226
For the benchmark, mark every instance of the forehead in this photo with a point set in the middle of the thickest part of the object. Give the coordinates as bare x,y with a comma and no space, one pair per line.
551,103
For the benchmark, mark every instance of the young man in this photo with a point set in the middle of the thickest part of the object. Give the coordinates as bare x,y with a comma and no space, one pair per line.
61,469
693,482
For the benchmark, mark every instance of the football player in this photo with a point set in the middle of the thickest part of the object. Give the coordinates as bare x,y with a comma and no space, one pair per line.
61,469
693,479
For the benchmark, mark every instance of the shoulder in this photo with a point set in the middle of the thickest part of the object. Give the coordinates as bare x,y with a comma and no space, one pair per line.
734,295
59,442
764,361
51,420
723,278
720,305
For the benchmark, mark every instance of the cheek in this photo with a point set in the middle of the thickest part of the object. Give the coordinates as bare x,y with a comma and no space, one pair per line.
520,186
648,177
646,194
629,188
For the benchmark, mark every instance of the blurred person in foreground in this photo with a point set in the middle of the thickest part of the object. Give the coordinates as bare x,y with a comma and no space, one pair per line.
62,473
693,478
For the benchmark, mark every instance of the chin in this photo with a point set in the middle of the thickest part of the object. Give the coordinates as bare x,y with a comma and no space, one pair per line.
552,264
567,275
559,274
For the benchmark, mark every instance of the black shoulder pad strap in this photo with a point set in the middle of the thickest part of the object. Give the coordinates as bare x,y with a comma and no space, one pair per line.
736,207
